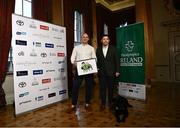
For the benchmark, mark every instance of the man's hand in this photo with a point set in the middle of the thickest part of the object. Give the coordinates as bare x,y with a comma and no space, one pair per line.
117,74
74,69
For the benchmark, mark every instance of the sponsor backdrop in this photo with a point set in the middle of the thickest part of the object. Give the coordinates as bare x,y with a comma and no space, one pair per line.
39,63
130,45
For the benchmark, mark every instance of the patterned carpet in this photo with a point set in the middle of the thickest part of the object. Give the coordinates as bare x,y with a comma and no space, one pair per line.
161,109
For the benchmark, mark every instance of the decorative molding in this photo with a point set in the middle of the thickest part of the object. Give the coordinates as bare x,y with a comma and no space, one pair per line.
112,1
117,5
172,6
171,23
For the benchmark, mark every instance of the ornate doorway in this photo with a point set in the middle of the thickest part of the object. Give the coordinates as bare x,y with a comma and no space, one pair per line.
174,43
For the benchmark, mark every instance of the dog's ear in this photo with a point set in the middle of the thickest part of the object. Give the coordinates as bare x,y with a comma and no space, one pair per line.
127,103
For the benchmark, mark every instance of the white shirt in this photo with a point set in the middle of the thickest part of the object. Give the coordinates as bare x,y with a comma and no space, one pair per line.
82,52
105,49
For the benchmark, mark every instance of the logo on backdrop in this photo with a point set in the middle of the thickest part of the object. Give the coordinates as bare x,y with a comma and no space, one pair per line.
39,98
45,81
131,57
52,54
61,62
32,25
51,95
35,82
21,73
25,102
44,89
23,94
60,46
43,55
48,45
22,84
62,31
61,70
43,27
26,63
50,70
33,53
20,33
47,62
55,29
37,72
21,53
129,46
20,22
60,54
21,42
58,38
62,92
37,44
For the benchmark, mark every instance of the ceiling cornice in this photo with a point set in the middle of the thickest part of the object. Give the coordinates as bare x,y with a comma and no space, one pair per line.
117,5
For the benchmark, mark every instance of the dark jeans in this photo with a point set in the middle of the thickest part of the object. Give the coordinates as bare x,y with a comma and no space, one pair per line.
76,85
106,84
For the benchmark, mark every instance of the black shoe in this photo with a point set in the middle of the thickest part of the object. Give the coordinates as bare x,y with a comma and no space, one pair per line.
71,110
110,107
88,107
102,108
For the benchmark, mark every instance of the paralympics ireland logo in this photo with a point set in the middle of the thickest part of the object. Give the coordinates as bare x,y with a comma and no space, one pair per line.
131,57
129,46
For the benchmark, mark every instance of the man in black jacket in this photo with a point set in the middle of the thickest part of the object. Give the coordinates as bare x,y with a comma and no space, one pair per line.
108,65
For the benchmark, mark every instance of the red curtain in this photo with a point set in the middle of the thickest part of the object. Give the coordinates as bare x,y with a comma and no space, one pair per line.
6,9
42,10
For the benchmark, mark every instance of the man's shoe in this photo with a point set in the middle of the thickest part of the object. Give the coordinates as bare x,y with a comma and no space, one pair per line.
102,107
110,107
88,107
71,110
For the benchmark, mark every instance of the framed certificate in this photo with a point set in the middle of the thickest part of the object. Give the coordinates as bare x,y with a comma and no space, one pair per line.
87,66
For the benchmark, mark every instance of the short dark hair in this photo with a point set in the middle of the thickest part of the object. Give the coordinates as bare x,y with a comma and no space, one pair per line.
105,35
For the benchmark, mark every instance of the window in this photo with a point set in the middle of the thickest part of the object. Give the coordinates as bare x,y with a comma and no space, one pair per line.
122,25
78,27
24,8
105,29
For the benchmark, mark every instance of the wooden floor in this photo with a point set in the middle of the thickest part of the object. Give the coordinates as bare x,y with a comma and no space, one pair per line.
162,108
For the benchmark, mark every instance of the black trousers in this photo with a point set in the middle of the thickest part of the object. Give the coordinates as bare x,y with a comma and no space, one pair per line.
106,88
76,85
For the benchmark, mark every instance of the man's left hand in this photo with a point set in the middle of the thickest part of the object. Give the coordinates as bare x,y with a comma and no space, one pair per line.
117,74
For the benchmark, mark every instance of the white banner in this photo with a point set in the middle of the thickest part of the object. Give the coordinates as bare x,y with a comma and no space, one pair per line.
137,91
39,63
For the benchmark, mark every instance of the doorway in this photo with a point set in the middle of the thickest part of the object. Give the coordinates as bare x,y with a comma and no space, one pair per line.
174,46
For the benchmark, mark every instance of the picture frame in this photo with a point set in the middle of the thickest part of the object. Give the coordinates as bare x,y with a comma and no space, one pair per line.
87,66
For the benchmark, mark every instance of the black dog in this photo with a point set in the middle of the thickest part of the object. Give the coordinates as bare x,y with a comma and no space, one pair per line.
120,108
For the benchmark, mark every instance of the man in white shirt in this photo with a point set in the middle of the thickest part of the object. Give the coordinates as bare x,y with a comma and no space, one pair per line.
82,52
